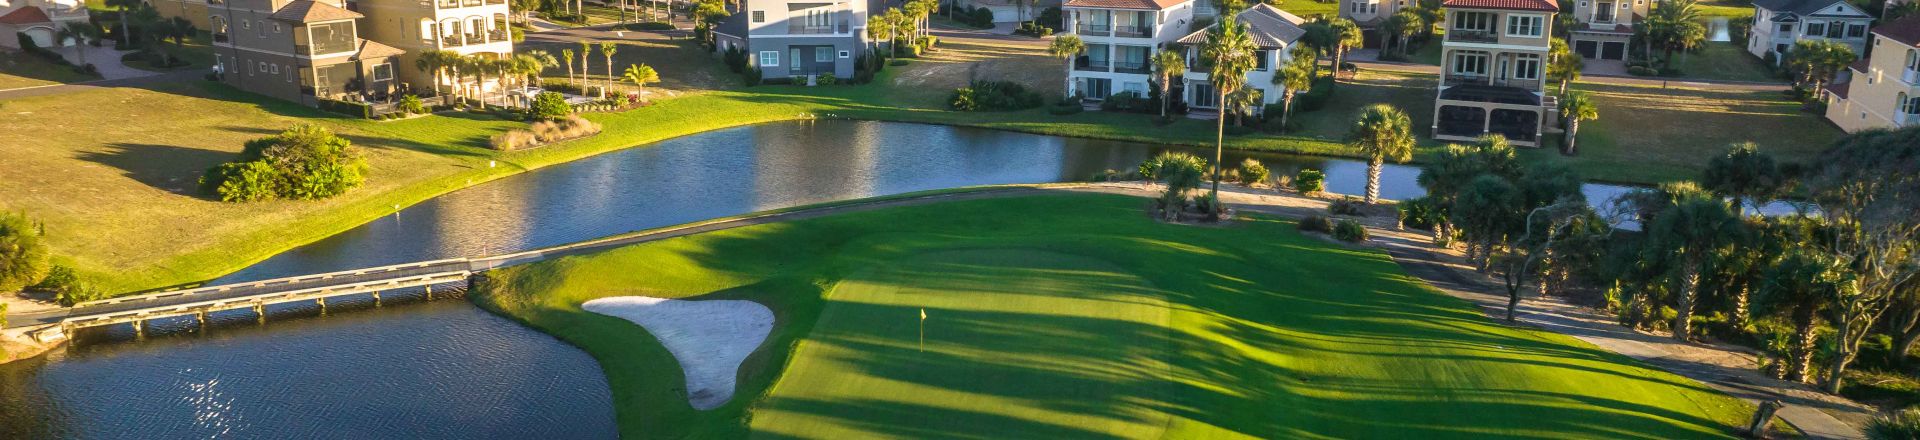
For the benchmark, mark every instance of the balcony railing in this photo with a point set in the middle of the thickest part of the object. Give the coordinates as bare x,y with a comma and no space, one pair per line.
1458,80
1910,77
1083,63
449,3
1091,28
220,37
1130,66
449,41
496,2
1133,31
497,35
839,28
1466,36
476,38
470,2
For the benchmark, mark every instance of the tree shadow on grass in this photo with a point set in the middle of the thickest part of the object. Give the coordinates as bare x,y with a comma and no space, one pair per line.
169,168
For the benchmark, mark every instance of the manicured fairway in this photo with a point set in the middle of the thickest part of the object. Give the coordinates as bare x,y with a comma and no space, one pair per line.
1074,316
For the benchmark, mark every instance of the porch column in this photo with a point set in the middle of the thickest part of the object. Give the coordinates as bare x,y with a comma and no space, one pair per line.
1486,122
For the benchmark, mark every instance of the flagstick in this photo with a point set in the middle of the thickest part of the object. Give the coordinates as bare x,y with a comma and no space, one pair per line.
923,330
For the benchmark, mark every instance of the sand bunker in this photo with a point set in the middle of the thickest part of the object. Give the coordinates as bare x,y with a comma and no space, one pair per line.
709,338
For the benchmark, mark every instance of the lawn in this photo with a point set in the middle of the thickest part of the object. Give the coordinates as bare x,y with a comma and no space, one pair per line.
22,70
1082,318
1724,61
1649,133
1309,8
1732,9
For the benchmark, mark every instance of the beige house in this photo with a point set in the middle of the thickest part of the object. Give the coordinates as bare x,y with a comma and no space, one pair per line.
1492,77
1370,13
1605,26
1121,38
1881,91
39,20
467,27
299,50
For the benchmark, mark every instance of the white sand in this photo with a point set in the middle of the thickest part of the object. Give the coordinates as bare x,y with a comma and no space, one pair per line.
709,338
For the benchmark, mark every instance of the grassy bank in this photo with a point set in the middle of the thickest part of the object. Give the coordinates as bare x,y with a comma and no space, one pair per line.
1081,318
113,174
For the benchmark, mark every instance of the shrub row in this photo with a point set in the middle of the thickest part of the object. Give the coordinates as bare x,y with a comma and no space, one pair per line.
994,96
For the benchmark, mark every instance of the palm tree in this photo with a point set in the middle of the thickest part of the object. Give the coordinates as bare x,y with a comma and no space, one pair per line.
1231,51
1295,77
1562,64
1817,61
640,75
1066,47
436,62
1346,35
586,51
1168,64
1413,24
1244,102
569,56
538,61
607,48
80,33
878,28
1577,107
1800,284
126,9
1675,25
1392,28
1382,133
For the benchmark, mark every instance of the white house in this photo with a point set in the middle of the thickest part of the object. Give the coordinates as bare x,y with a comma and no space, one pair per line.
1121,37
1273,30
1777,24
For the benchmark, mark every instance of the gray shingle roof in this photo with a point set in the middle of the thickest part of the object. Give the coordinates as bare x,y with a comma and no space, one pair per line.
1269,26
1798,7
307,11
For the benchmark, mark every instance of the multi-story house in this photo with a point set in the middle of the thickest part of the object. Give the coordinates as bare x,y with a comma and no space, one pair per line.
1370,13
1121,37
799,38
1605,26
39,20
1777,24
1493,68
299,50
1273,30
467,27
1883,90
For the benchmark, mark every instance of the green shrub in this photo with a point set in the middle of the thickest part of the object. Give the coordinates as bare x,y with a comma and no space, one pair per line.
826,79
735,59
980,17
1346,206
245,181
994,96
23,253
1209,202
1050,17
1310,181
67,287
1316,97
549,106
1641,71
1127,102
1349,231
304,162
1900,425
1252,172
1179,171
751,75
1315,223
412,105
354,109
1418,214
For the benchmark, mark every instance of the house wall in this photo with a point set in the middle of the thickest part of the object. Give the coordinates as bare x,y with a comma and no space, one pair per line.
1262,79
1168,25
1873,96
1624,10
415,27
1363,11
775,31
1767,36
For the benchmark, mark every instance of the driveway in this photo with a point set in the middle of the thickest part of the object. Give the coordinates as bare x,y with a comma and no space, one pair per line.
107,61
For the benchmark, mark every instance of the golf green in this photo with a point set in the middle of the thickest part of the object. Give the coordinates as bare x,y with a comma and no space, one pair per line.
1076,316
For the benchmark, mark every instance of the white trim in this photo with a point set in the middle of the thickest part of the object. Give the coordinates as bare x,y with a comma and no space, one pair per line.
1500,47
1541,25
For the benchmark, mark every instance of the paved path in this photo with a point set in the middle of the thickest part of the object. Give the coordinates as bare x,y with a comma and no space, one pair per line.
107,61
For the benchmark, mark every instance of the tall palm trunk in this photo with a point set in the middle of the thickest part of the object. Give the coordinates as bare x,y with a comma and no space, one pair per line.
1374,164
1164,99
1803,339
1573,131
1689,291
1219,144
1286,109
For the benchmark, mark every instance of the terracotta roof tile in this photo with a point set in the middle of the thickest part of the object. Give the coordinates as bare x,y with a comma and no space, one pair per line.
1906,30
1523,5
1151,5
1839,90
26,15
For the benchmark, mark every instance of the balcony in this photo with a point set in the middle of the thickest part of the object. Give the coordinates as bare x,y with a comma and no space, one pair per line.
1905,119
1126,66
450,41
1093,29
220,37
1133,31
470,2
839,28
1490,94
476,38
1085,64
445,4
1530,85
1466,36
1910,77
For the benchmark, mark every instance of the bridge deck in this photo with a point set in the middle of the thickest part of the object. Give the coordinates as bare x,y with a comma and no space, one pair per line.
243,295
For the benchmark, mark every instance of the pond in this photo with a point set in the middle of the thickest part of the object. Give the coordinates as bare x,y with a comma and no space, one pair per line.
447,369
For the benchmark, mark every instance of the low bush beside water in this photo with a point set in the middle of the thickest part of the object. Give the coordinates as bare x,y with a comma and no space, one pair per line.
1316,223
23,252
1349,231
545,132
1309,181
67,287
1252,172
1347,206
994,96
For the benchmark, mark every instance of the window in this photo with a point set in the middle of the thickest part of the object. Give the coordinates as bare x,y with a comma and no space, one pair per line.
1260,59
1470,63
759,16
846,54
382,72
1786,28
1137,88
262,67
1526,25
1603,13
769,58
823,54
1526,66
1910,105
1473,21
1913,60
1816,28
1856,31
1373,8
273,68
276,28
1780,49
244,24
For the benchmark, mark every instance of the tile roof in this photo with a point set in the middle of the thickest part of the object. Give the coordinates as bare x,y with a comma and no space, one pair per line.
370,49
26,15
1906,30
1839,90
308,11
1522,5
1151,5
1609,29
1270,27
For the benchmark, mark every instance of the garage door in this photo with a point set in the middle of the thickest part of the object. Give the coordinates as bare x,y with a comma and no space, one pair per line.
1586,49
1614,51
42,37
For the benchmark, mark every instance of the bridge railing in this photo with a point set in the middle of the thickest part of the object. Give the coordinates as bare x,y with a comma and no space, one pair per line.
262,283
411,280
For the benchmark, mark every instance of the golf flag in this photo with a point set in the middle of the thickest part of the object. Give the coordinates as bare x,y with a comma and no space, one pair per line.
923,313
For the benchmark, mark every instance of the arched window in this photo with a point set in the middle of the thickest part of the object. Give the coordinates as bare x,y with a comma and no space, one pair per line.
219,28
427,30
1908,105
